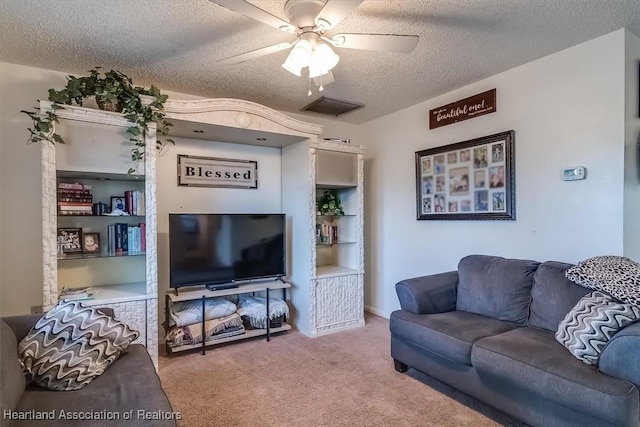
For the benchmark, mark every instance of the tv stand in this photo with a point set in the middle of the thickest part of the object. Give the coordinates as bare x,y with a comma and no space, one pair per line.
200,294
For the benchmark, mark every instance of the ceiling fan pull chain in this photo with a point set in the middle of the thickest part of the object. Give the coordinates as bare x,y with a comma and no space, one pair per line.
321,87
309,94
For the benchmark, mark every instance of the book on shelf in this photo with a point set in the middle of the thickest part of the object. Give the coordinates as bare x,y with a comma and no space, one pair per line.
126,238
74,199
326,234
76,294
73,186
134,202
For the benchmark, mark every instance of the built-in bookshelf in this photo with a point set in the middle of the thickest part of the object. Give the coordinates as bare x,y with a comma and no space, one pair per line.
98,231
335,297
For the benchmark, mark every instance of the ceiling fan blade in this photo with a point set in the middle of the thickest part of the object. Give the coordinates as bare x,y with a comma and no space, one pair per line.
379,42
335,11
254,12
237,59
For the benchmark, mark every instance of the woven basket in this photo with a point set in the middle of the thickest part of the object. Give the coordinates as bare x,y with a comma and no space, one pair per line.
110,106
254,323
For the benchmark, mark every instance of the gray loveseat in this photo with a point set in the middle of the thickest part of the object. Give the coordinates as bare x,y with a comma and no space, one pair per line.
128,393
488,330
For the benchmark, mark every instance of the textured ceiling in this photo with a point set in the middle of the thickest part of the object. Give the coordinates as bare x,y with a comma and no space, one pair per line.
175,44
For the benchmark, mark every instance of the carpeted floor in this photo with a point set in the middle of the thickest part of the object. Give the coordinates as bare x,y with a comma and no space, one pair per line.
343,379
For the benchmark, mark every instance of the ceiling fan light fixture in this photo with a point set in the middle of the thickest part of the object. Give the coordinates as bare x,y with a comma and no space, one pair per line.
301,53
323,60
291,67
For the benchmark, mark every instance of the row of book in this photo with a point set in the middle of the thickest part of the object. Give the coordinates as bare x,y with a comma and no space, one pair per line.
74,199
326,234
126,238
134,202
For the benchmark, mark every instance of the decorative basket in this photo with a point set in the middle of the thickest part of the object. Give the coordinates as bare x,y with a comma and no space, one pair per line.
254,323
116,107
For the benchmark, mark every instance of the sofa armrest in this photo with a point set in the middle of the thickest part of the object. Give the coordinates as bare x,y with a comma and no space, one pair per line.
620,356
435,293
21,325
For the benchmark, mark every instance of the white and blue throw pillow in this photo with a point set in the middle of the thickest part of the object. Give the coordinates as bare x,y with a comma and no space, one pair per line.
71,345
594,320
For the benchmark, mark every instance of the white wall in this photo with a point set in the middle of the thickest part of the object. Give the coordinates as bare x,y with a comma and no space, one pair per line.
267,198
632,134
567,109
21,201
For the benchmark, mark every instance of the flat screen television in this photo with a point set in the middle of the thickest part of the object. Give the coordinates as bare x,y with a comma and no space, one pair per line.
218,250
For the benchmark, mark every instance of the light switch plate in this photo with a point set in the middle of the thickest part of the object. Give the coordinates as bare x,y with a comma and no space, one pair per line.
574,173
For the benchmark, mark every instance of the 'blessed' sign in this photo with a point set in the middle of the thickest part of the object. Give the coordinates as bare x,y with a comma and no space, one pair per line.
215,172
468,108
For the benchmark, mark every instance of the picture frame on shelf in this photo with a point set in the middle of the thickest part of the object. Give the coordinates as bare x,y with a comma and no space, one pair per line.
468,180
117,202
70,240
90,243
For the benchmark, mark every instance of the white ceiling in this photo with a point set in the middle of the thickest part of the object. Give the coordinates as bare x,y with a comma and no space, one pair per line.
175,44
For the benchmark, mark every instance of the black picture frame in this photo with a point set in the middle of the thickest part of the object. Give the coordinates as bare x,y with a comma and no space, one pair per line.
468,180
118,202
91,243
70,240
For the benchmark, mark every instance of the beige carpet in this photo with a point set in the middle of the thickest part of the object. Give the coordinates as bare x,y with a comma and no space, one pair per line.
342,379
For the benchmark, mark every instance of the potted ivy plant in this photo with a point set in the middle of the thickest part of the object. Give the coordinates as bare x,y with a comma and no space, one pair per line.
113,91
329,203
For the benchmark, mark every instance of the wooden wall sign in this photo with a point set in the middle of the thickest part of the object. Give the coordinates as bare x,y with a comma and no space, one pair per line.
197,171
465,109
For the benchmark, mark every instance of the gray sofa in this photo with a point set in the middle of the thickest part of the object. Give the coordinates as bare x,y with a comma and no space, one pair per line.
488,329
128,388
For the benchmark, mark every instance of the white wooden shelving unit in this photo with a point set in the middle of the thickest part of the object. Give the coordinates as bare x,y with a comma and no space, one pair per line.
95,154
327,281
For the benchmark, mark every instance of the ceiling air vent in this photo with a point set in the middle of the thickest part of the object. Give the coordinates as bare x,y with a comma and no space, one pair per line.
331,106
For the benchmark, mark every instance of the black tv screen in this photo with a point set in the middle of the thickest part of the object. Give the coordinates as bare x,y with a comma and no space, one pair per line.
211,249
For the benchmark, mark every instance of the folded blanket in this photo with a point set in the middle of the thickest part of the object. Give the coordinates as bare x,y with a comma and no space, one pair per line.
192,334
256,307
185,313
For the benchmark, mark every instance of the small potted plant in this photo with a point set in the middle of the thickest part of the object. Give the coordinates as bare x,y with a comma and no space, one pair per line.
329,203
113,91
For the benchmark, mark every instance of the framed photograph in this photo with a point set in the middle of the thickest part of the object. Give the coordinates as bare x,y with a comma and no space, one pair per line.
90,243
468,180
70,240
117,202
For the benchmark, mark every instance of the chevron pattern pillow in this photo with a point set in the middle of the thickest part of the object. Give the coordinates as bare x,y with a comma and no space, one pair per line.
71,345
594,320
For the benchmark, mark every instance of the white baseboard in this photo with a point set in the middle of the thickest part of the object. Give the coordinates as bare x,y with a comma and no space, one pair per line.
340,328
375,311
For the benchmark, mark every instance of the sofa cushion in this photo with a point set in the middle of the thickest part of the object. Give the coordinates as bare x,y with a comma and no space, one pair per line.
589,326
13,382
495,287
71,345
450,335
615,275
552,295
130,384
533,359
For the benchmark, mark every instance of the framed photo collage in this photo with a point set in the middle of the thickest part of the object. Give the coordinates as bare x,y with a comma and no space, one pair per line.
467,180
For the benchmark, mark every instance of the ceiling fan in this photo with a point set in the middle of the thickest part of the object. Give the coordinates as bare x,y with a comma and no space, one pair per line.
308,21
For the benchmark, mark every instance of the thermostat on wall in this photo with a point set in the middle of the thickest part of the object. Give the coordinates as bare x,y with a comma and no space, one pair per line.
574,173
